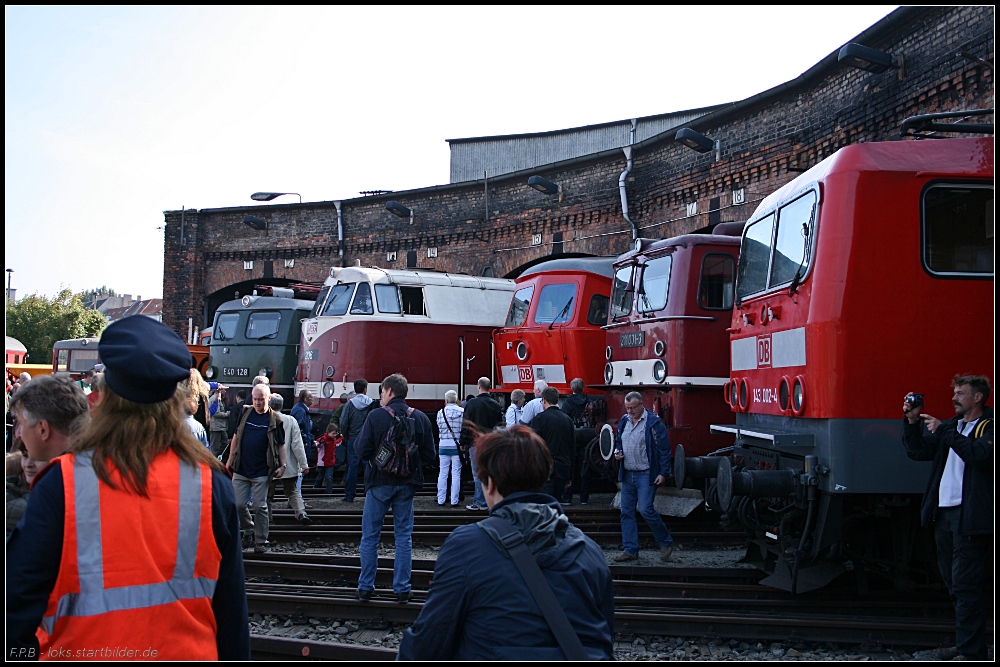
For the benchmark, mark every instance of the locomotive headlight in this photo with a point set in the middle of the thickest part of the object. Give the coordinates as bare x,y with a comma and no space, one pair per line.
734,394
330,371
744,394
659,347
609,373
798,395
522,351
328,390
784,393
210,372
659,370
607,353
265,371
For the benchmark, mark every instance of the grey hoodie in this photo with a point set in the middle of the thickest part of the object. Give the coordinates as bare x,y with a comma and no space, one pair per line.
353,416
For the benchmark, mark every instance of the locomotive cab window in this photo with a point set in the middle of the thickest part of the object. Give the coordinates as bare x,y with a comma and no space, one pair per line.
413,300
654,284
519,306
715,291
362,300
82,360
776,249
263,324
387,298
622,292
320,300
598,312
62,361
225,326
958,230
340,299
555,303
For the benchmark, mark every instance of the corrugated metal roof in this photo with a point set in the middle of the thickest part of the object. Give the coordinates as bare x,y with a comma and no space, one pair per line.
501,155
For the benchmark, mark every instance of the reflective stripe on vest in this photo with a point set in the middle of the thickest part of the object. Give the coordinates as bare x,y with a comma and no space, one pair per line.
93,597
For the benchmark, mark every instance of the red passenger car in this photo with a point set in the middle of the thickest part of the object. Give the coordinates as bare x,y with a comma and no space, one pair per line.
868,276
434,328
666,337
553,330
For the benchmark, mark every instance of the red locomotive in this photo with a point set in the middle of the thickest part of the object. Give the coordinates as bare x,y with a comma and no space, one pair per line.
553,330
434,328
866,277
666,337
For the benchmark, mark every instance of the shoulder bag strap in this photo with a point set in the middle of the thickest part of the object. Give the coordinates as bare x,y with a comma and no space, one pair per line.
512,538
444,413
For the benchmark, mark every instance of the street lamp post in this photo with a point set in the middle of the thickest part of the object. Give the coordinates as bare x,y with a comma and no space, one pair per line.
10,272
268,196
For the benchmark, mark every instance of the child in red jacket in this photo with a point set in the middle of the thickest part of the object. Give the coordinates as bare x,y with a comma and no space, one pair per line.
326,456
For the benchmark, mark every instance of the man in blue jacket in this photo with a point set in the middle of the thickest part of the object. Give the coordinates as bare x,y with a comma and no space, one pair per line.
479,606
384,490
642,448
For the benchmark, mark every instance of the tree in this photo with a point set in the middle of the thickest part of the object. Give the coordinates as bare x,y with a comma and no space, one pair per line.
102,292
39,322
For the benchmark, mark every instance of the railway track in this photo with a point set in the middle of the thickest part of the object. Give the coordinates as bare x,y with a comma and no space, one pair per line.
696,602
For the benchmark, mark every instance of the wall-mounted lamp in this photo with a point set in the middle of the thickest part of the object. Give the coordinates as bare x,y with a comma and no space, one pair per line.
545,186
697,141
399,210
268,196
870,60
254,222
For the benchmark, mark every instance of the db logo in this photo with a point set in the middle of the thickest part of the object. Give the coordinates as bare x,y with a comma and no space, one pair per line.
763,351
524,374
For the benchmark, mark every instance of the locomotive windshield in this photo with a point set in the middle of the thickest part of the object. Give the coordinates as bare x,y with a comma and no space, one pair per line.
621,292
654,284
263,324
225,326
776,249
958,229
320,300
340,299
519,306
555,303
362,301
387,298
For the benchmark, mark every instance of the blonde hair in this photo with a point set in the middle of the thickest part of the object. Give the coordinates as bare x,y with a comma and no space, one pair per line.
131,435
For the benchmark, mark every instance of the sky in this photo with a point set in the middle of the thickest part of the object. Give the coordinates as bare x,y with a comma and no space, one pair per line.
116,114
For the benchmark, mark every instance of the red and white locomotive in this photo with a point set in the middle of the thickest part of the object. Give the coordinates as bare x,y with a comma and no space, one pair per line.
434,328
866,277
553,330
666,337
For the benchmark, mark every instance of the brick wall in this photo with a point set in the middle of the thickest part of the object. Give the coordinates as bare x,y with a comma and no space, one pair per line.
764,144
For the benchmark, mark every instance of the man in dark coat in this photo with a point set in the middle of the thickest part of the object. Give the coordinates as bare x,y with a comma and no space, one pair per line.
958,500
384,491
482,415
556,429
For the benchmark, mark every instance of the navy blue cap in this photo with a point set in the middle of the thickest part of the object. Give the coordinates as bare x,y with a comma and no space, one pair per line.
143,359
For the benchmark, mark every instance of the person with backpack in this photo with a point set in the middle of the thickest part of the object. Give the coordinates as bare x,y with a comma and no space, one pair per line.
352,418
396,441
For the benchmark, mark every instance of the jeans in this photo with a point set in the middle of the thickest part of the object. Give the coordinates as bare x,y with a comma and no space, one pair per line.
378,501
260,524
962,563
324,477
351,478
638,489
478,498
452,463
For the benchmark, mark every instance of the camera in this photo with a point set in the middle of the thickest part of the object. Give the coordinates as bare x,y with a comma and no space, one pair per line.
915,399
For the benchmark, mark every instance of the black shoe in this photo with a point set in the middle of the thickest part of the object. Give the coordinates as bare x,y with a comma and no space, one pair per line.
403,598
347,500
364,596
305,520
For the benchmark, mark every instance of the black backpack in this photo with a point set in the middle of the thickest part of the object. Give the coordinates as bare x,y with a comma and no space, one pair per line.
397,454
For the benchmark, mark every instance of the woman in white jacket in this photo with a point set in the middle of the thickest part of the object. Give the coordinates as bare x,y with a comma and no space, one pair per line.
449,423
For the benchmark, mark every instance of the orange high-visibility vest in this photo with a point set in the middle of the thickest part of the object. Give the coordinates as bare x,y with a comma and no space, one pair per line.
137,574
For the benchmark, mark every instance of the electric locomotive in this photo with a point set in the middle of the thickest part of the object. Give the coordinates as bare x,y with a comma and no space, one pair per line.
866,277
259,335
434,328
554,326
666,336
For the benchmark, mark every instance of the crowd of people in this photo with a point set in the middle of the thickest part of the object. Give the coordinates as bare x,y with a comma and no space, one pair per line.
133,493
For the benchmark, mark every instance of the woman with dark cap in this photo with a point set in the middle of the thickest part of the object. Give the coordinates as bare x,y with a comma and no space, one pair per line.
130,545
480,607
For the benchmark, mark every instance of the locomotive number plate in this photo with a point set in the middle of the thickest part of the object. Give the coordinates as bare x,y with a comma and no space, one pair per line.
633,339
309,355
235,372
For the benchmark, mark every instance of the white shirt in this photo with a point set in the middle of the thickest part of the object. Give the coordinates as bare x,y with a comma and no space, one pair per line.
532,409
513,415
950,490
